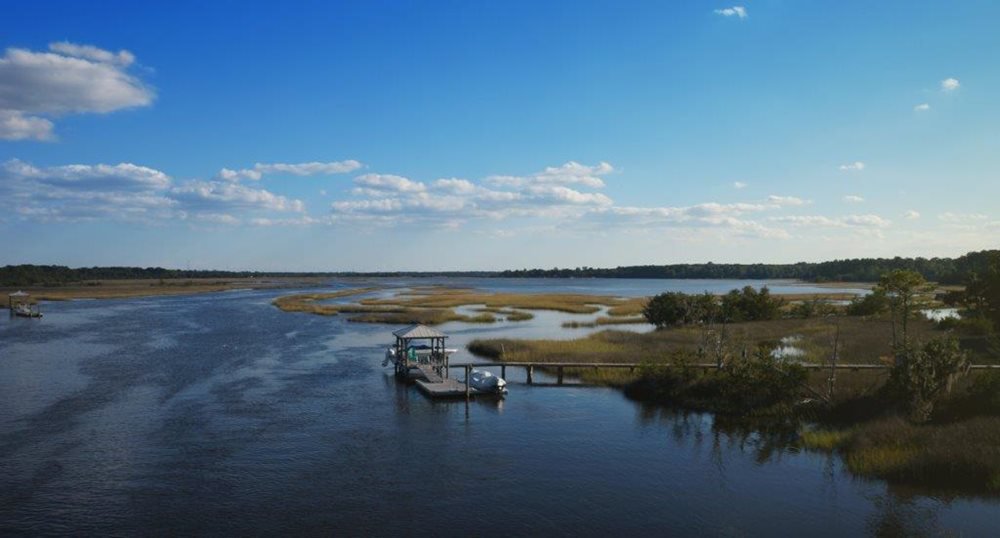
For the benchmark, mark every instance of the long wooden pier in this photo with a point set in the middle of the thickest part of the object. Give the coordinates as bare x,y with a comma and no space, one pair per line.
561,367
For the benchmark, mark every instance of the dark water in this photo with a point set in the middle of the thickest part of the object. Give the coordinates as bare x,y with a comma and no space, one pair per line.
219,414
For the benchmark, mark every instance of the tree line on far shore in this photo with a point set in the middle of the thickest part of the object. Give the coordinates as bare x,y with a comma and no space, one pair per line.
941,270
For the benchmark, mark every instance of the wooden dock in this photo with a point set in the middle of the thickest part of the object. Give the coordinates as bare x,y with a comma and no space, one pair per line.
432,384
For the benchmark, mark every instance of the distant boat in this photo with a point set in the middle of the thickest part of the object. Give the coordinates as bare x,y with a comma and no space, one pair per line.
484,381
25,311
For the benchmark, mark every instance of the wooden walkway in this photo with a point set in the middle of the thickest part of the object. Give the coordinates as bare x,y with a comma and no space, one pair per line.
560,367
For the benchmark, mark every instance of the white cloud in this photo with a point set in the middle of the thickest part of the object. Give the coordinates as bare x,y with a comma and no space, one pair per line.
849,221
962,218
856,166
573,173
216,195
69,79
455,185
922,107
950,84
786,200
735,11
559,194
16,126
570,173
853,199
739,185
90,52
390,183
259,170
122,176
911,215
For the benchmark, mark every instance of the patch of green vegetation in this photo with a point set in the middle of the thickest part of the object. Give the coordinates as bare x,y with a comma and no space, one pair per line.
828,440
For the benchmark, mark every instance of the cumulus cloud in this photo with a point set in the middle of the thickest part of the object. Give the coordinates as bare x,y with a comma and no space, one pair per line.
922,107
856,166
388,183
205,195
738,185
122,176
15,125
911,215
570,173
259,170
455,185
853,199
67,79
130,192
735,11
950,84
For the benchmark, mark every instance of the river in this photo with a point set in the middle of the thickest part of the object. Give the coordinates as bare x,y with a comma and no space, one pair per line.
219,414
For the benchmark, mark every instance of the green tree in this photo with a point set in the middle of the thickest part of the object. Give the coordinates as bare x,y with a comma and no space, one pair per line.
901,286
666,309
871,304
981,297
749,304
929,372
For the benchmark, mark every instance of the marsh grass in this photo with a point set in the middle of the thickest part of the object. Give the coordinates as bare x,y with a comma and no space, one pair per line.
307,302
447,298
604,321
963,455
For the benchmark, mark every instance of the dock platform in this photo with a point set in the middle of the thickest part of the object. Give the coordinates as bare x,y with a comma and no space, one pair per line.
446,388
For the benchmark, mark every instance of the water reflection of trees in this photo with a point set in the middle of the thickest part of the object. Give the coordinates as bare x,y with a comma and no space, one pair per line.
903,515
766,439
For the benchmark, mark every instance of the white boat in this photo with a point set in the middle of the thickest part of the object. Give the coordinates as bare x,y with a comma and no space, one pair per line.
484,381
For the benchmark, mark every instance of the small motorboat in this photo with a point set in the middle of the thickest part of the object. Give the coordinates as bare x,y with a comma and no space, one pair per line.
484,381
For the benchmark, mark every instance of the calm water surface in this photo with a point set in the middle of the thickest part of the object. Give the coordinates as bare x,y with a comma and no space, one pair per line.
219,414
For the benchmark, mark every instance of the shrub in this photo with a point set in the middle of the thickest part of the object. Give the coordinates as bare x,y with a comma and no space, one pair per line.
925,373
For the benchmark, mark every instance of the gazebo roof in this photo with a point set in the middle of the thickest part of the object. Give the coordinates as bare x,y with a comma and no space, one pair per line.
419,331
19,294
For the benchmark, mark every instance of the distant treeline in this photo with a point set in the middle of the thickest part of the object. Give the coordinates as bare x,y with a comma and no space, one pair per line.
943,270
57,275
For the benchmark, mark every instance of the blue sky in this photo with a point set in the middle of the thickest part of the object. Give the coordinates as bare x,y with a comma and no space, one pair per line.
475,135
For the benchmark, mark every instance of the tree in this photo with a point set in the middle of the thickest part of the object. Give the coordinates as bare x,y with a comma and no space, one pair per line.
676,308
982,293
901,286
871,304
666,309
929,372
749,304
